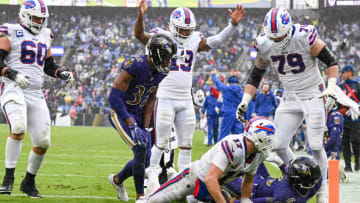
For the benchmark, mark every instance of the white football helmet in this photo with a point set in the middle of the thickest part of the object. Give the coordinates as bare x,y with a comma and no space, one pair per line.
261,131
199,96
277,23
31,8
182,18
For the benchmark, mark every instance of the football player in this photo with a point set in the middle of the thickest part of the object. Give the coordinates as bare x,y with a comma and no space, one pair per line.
174,104
25,55
292,49
232,157
132,99
301,181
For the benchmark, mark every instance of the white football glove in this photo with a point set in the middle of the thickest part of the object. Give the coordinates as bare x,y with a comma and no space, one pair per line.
22,80
242,107
330,94
66,75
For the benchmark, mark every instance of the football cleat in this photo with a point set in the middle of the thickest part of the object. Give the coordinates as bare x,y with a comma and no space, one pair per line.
342,175
29,188
7,185
120,189
323,195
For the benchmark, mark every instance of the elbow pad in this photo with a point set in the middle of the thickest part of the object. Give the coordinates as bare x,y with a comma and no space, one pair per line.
256,76
327,57
220,38
3,54
50,67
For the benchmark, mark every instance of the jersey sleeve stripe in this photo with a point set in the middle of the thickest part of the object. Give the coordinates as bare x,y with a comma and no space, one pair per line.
312,34
154,30
311,42
225,147
4,31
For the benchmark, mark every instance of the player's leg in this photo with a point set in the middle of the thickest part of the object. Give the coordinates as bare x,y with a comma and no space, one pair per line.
179,187
346,148
216,128
39,130
288,118
185,127
210,129
355,143
14,108
315,126
225,127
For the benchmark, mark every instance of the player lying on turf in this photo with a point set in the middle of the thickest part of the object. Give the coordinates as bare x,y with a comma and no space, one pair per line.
300,182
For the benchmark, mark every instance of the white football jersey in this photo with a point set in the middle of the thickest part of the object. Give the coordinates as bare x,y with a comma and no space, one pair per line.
230,156
28,52
177,84
296,67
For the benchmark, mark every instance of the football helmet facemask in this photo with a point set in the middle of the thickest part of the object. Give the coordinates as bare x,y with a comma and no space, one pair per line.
182,18
277,23
161,49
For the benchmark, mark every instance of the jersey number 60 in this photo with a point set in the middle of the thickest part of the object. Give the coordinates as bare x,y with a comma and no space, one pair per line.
31,52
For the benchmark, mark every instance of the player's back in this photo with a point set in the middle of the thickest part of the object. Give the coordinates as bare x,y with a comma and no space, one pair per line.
177,84
144,82
27,52
296,67
229,155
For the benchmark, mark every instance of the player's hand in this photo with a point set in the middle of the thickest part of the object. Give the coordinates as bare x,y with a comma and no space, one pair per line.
22,80
240,112
66,75
238,15
330,99
143,6
139,135
213,71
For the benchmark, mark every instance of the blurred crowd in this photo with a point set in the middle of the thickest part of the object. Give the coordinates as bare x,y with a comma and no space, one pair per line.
97,41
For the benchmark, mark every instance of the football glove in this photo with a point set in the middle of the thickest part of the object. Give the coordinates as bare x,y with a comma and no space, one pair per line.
139,135
242,108
330,94
66,75
20,79
240,112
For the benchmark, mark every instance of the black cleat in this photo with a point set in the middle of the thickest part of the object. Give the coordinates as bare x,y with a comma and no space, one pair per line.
7,186
348,169
29,188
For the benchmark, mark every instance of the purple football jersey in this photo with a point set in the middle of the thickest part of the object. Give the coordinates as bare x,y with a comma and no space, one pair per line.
144,82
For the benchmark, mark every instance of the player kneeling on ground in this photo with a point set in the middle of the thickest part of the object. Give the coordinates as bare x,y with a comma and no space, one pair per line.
132,101
234,156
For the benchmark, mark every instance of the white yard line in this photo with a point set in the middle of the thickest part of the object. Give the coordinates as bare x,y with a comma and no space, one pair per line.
74,196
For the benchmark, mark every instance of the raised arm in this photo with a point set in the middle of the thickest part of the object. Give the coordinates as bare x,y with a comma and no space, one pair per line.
251,86
139,25
217,82
216,40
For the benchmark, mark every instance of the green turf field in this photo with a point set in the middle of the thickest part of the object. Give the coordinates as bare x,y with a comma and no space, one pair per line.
78,163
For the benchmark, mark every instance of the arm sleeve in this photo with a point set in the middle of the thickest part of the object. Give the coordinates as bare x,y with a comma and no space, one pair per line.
220,38
51,68
219,84
116,102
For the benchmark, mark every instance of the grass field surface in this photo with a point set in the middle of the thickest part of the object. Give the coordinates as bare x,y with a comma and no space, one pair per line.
78,163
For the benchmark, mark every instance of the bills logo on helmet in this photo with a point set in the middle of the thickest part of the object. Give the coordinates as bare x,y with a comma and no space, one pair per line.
177,14
29,4
265,21
285,19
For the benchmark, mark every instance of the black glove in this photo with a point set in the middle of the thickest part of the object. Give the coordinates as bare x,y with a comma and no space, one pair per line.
65,75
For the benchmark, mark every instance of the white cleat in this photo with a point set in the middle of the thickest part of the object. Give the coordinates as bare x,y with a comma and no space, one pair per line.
323,194
120,189
152,174
142,199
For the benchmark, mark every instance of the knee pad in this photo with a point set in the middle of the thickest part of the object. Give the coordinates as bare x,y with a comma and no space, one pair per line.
16,116
45,142
186,144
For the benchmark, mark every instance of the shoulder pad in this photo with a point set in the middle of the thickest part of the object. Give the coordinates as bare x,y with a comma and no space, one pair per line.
232,146
307,33
262,43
